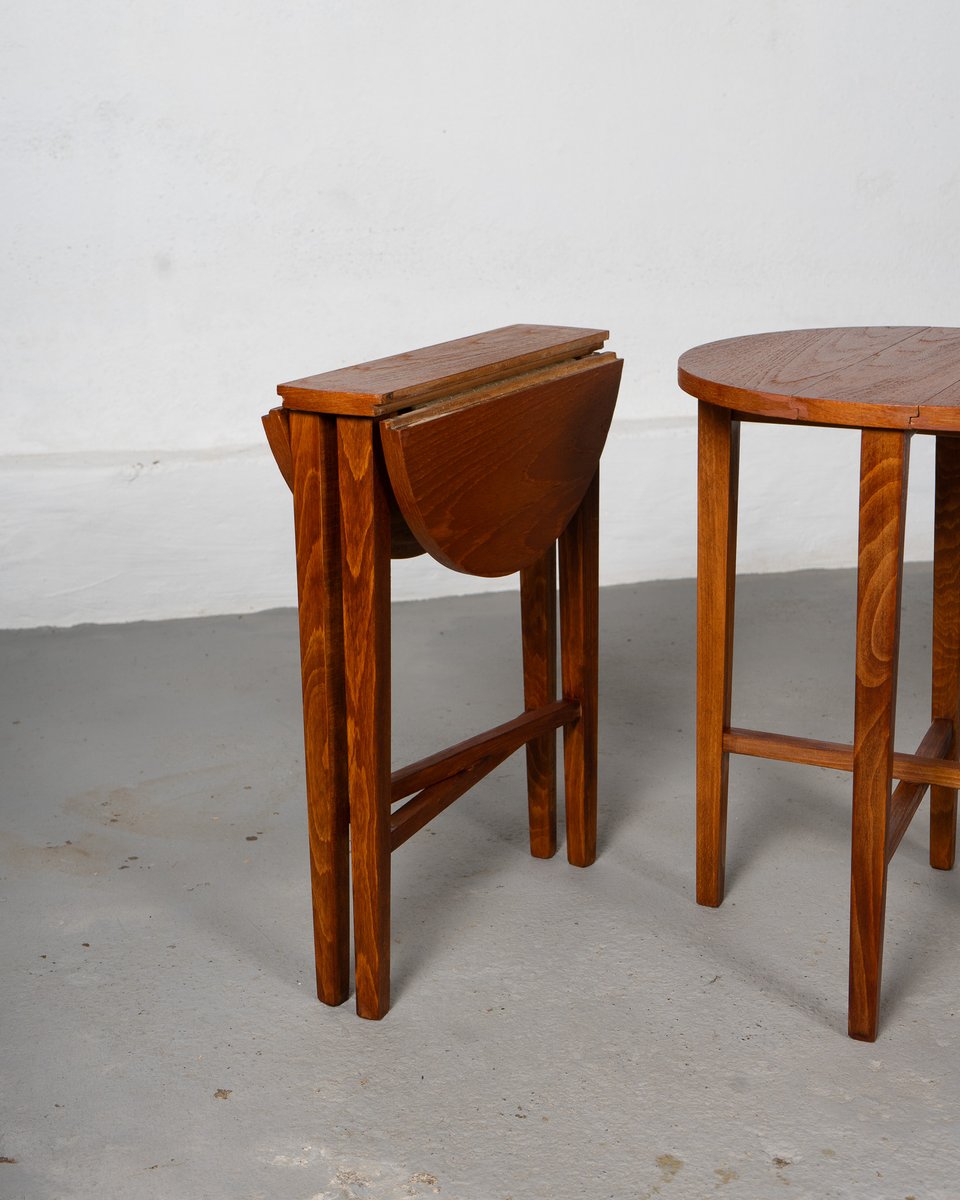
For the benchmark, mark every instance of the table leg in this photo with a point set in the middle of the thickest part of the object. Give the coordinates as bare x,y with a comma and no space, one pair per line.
884,458
313,444
718,475
365,527
579,653
538,618
946,640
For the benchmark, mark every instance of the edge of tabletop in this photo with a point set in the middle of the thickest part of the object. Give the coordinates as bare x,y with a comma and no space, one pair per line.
779,406
338,392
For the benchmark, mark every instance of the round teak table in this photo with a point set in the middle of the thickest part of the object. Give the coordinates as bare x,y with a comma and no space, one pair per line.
888,382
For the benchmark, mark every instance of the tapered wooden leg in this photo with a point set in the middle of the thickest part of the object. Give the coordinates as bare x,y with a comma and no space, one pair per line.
946,640
365,528
579,653
313,446
538,619
718,474
884,458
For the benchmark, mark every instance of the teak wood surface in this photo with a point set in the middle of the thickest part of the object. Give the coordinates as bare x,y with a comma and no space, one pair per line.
491,462
487,486
946,641
579,663
883,510
538,621
365,522
408,380
718,453
316,506
892,377
890,382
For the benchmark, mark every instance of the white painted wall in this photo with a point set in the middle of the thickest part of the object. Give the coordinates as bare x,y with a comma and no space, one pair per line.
203,199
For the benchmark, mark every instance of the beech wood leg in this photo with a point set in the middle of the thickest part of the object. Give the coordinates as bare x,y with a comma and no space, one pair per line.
538,618
579,653
718,474
313,447
946,640
884,458
365,528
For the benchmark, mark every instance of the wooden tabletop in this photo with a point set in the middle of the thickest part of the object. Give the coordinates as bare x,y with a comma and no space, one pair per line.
881,377
385,385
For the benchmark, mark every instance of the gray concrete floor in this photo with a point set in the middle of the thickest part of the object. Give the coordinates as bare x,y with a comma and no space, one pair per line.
555,1032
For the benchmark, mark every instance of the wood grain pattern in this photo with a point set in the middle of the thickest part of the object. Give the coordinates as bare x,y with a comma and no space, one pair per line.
885,377
910,373
946,641
432,801
488,487
313,466
791,361
940,413
366,626
445,777
718,473
906,798
402,542
783,747
276,425
538,619
889,382
579,669
513,385
499,742
837,756
883,489
497,437
406,380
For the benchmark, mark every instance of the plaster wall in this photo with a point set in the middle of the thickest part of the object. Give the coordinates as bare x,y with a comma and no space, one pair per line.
204,199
